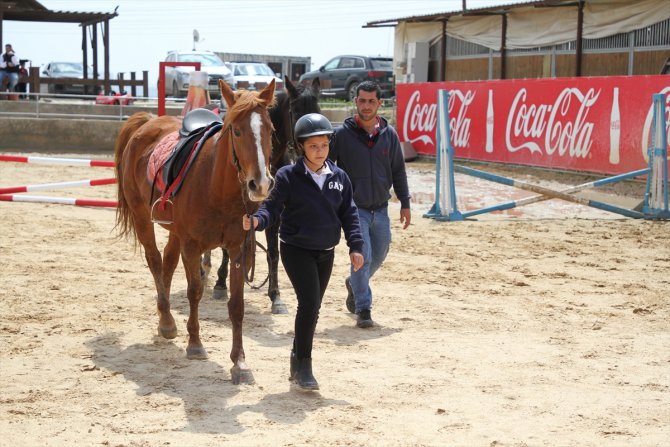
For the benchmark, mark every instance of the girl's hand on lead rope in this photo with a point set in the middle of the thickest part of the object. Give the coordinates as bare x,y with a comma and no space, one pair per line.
247,221
356,260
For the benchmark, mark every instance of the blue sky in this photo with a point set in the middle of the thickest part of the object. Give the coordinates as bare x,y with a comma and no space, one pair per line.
146,30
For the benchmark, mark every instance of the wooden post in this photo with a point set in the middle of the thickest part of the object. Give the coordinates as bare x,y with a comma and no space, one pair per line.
34,80
120,78
133,90
503,48
578,43
145,83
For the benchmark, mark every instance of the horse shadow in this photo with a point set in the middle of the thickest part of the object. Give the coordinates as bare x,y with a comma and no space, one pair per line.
258,320
203,386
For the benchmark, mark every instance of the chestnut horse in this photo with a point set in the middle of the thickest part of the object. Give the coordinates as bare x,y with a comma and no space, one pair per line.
228,178
291,104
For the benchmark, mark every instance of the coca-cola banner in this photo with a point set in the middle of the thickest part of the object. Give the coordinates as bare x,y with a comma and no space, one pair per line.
597,124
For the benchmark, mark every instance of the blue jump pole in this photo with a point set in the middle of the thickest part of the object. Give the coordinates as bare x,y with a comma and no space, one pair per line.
539,198
550,193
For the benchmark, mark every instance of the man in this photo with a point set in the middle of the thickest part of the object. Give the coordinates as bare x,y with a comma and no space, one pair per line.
368,149
9,69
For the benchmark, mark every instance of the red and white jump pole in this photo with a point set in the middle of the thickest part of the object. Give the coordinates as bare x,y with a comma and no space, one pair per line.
61,185
58,161
62,200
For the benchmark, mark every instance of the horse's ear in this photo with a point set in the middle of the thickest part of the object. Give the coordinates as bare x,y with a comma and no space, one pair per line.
227,93
267,95
316,87
290,88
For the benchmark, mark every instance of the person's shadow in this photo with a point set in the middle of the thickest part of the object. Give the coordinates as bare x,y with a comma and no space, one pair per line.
203,385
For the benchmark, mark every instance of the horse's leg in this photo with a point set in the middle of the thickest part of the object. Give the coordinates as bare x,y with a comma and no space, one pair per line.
195,286
272,237
240,372
220,290
206,265
170,261
167,327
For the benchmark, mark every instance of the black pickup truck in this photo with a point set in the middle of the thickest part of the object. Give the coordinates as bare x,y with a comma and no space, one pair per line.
340,76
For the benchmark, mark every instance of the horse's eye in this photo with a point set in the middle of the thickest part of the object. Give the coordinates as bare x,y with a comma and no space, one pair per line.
237,132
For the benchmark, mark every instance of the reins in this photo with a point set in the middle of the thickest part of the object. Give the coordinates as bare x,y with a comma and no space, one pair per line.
249,244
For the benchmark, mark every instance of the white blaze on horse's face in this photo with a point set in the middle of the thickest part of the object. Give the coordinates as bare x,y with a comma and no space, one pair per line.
264,183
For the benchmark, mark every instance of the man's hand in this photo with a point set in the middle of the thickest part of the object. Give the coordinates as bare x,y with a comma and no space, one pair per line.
356,260
405,217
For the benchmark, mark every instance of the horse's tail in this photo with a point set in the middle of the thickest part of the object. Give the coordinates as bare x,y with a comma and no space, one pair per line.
124,218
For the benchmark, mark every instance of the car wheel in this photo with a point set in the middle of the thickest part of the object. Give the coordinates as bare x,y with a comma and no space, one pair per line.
352,91
116,102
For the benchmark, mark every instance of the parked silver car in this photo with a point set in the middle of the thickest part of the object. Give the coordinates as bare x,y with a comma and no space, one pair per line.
253,75
70,70
176,78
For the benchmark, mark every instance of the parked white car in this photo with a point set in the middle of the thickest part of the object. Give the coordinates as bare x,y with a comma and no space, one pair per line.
176,78
253,76
71,70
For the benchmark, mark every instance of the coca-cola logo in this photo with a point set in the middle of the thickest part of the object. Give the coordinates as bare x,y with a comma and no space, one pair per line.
422,118
555,128
648,122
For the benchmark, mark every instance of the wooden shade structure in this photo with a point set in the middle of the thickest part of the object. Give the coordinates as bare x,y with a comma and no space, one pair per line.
34,11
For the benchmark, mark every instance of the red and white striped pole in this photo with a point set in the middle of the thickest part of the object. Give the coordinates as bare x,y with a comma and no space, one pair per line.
61,185
62,200
58,161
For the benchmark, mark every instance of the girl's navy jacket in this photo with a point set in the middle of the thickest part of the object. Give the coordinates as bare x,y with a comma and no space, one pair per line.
310,217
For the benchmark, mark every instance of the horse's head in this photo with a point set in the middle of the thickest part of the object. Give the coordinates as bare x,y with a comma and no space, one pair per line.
303,99
248,123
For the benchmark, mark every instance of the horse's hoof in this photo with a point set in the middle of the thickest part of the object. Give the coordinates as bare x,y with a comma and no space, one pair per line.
278,307
241,376
167,332
196,353
220,293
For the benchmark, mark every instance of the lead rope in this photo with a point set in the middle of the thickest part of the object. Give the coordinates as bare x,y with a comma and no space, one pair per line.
249,244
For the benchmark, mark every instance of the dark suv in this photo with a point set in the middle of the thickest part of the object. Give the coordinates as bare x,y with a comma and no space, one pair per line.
341,75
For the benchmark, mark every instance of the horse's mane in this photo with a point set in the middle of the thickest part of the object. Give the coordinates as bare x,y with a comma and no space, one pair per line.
245,103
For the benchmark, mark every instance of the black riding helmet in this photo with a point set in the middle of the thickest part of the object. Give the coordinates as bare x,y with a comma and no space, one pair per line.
311,125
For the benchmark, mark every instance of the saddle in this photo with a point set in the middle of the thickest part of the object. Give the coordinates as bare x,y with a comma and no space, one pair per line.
194,129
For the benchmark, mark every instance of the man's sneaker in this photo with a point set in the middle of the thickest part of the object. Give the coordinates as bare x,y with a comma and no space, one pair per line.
364,319
351,304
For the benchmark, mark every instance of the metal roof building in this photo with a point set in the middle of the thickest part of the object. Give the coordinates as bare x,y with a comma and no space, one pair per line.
540,38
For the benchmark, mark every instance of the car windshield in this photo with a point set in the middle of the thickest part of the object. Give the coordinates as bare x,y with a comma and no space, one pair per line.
253,70
206,60
382,64
67,67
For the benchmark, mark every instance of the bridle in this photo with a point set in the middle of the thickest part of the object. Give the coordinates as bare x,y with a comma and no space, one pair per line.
248,246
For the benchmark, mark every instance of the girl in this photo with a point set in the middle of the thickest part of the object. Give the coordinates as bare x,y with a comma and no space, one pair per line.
313,199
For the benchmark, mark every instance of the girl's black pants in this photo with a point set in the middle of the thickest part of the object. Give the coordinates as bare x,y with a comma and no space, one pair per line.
309,272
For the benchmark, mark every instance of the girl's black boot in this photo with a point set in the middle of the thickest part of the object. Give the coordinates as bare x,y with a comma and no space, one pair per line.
294,366
304,377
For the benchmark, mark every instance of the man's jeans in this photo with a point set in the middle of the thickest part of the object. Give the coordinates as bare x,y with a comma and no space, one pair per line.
12,77
376,229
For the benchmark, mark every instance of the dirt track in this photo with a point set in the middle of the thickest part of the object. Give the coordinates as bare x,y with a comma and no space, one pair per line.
544,326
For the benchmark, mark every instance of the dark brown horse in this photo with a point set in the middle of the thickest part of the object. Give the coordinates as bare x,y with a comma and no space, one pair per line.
291,104
227,179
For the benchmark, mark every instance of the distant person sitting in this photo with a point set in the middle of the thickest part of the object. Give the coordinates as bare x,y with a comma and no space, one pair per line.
9,70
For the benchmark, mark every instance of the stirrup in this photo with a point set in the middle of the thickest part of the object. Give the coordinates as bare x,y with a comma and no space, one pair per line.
160,221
